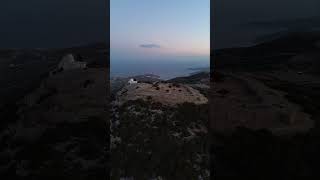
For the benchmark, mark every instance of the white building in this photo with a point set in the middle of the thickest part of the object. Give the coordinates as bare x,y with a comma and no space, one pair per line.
132,81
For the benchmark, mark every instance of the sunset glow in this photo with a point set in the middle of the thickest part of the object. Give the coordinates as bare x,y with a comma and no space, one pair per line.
171,27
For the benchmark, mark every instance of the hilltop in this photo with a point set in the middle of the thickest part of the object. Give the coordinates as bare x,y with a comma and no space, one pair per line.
155,122
164,93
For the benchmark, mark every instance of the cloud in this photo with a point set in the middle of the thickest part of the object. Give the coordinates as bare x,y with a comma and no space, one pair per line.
150,46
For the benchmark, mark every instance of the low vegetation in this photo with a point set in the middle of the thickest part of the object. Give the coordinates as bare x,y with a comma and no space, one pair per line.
168,142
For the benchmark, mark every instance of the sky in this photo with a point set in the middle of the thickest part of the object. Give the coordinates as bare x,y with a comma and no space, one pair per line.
230,15
52,23
64,23
156,29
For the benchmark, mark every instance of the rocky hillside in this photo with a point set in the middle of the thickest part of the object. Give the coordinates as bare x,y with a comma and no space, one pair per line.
60,128
265,108
278,78
159,131
22,70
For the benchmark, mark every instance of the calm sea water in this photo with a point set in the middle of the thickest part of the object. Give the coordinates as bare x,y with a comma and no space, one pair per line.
166,68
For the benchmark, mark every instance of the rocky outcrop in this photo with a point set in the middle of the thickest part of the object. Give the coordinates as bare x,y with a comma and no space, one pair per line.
69,63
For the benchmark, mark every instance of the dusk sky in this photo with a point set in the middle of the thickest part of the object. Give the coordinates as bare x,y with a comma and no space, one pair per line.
159,28
230,16
52,23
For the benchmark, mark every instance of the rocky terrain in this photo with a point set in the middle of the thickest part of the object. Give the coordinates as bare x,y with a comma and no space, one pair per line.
58,127
22,70
243,100
265,108
159,130
260,83
165,93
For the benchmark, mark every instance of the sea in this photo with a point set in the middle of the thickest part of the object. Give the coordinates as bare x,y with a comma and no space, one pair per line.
168,68
165,68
